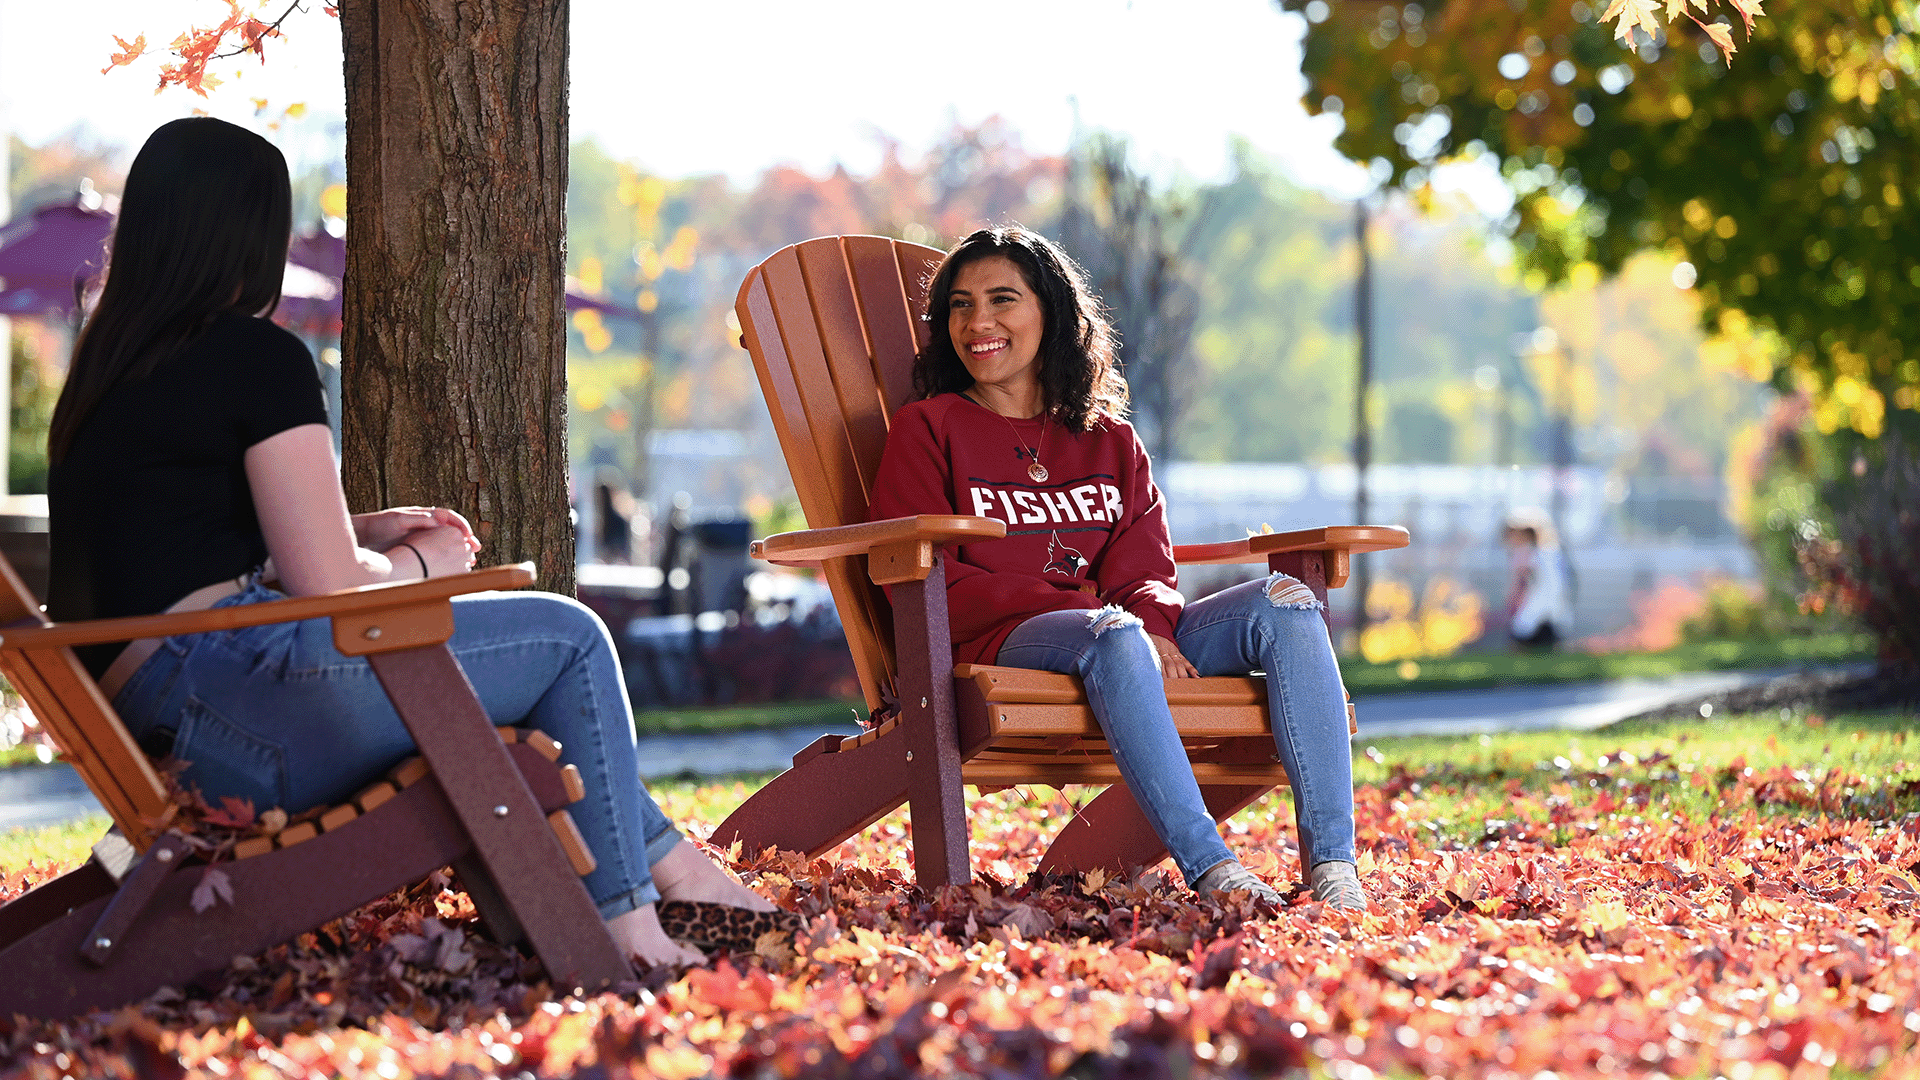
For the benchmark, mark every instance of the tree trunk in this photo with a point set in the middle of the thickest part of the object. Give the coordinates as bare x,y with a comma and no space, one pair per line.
453,344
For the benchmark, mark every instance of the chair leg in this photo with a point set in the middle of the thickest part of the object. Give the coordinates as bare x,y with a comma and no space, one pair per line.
511,838
1112,834
826,798
923,650
494,911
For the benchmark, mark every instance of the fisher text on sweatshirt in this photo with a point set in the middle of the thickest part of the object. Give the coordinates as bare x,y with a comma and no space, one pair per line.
1093,533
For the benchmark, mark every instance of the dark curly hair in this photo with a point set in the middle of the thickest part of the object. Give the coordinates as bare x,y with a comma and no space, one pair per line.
1079,378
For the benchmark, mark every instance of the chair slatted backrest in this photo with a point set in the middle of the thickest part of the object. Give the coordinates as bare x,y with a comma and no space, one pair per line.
61,693
833,325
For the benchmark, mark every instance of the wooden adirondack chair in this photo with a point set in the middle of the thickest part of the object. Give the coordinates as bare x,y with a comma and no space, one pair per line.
492,805
832,326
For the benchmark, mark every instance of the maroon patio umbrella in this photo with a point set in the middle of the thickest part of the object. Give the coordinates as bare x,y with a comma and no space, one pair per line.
48,257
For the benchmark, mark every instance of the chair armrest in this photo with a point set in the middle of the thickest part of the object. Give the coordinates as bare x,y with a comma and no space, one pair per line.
366,598
1256,548
813,545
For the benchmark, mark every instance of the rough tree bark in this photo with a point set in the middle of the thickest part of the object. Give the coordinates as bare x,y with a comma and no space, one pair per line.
454,337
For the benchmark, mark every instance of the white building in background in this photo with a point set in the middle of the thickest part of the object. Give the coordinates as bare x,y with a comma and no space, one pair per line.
1620,535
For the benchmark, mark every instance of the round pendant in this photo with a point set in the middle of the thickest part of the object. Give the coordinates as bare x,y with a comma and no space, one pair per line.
1038,472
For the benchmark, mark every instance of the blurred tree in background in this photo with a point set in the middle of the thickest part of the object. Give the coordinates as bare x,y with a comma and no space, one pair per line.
1779,182
676,249
1780,178
1135,239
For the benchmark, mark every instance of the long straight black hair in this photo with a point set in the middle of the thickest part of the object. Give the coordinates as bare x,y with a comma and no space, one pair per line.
203,230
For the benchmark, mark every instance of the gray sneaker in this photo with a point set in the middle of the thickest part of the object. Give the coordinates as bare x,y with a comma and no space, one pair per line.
1230,876
1338,884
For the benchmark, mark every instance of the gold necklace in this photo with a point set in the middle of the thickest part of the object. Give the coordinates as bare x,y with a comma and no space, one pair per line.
1035,470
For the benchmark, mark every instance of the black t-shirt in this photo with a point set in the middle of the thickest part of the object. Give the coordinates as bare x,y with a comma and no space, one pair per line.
151,500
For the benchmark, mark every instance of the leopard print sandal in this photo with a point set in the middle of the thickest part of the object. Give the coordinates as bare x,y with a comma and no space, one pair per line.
711,927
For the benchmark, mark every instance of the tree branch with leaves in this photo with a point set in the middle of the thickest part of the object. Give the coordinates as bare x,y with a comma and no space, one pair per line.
238,34
1645,15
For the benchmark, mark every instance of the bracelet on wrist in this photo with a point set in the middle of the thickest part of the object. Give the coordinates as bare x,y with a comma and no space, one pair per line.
416,554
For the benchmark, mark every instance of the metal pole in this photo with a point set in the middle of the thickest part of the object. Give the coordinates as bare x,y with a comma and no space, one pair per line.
1362,428
1563,439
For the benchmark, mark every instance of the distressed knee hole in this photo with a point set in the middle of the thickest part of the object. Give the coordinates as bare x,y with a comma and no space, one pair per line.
1286,591
1109,617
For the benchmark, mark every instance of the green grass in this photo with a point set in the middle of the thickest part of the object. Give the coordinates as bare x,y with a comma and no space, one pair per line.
1552,785
1468,789
749,717
1472,671
19,755
65,845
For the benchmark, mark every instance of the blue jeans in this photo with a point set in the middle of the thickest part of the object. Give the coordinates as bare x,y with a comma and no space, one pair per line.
275,714
1272,626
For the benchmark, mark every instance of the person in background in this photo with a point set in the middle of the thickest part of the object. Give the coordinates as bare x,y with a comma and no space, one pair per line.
1539,601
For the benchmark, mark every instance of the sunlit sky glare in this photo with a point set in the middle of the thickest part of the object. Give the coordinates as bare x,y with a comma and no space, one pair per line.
686,88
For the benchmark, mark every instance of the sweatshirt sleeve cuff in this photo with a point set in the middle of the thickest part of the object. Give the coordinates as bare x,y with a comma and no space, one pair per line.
1157,620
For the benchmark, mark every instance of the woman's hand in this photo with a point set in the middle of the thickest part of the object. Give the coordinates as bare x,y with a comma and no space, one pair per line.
444,548
1172,664
385,528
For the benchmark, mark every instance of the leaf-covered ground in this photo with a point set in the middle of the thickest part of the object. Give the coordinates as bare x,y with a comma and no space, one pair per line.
1735,900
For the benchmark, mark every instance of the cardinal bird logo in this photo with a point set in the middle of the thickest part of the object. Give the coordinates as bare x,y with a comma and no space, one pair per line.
1062,559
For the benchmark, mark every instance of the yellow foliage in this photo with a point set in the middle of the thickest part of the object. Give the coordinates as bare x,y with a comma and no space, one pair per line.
1446,618
643,193
604,380
1697,215
651,263
679,254
1741,348
593,332
1746,455
592,276
1850,402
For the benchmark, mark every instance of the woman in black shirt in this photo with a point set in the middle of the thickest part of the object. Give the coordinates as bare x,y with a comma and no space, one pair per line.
193,466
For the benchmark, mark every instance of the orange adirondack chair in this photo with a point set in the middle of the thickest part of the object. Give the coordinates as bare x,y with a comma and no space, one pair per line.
831,324
491,805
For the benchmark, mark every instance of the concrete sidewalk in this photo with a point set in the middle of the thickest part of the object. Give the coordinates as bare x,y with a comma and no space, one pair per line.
1572,706
44,794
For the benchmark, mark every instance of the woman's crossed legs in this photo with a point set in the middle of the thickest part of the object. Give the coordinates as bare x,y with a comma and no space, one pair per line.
276,715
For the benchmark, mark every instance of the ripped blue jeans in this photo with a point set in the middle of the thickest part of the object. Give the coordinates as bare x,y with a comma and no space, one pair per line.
1272,625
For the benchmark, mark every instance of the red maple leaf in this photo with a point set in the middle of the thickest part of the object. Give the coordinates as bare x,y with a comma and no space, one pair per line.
233,812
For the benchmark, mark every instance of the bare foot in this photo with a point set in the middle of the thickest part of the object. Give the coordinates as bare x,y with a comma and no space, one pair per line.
685,874
640,934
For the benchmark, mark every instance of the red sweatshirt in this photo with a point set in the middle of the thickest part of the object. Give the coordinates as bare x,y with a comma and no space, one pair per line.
1094,533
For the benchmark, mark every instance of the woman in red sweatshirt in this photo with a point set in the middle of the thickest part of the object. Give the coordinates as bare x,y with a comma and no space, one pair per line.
1020,416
